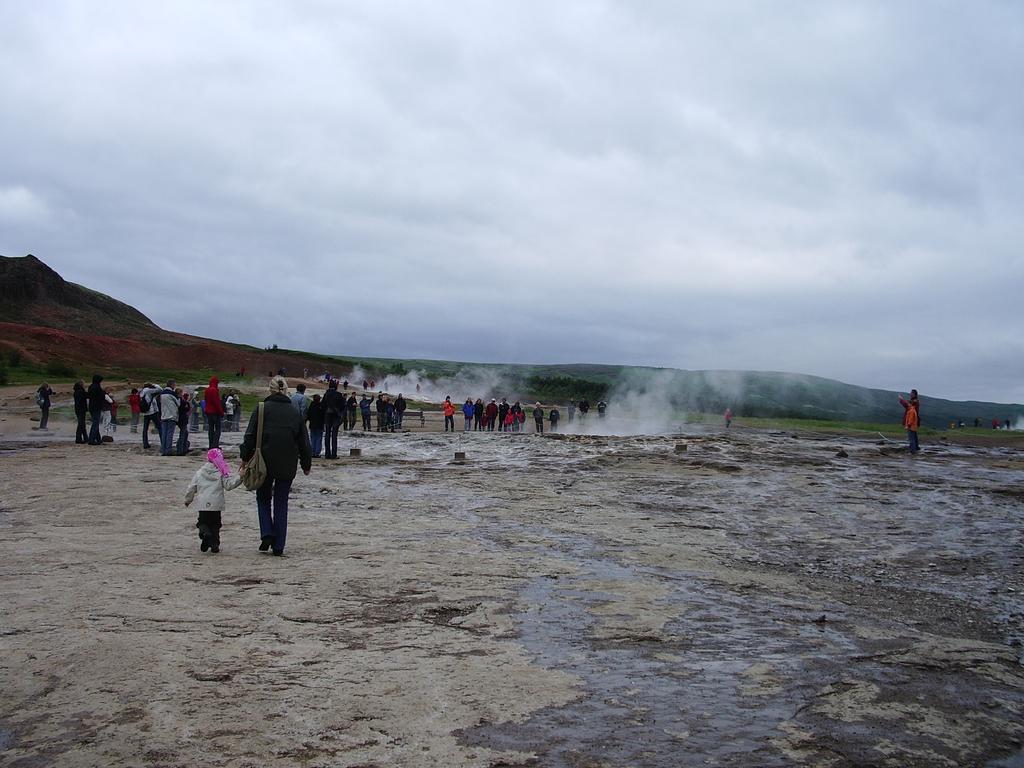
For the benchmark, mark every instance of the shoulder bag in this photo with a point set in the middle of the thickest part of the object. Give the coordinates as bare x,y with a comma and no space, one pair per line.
254,471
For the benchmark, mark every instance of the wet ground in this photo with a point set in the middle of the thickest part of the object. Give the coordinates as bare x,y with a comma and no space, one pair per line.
712,598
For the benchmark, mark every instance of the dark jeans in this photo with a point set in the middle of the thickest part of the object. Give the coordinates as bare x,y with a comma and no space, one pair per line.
316,441
351,416
398,419
449,420
151,418
912,441
81,435
539,424
167,437
183,445
44,416
274,522
209,525
331,426
213,421
366,422
94,428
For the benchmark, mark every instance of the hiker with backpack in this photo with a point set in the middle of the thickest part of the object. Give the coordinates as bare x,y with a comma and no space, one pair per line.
43,395
150,411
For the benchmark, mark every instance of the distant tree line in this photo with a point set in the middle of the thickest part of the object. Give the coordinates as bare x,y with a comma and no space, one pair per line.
551,389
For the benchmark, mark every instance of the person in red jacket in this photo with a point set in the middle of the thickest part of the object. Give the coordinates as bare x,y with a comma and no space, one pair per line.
491,414
135,403
214,409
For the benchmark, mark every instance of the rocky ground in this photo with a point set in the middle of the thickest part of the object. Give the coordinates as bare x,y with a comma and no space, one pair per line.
710,598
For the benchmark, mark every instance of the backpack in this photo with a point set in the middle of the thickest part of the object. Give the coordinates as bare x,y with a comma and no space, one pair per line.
145,402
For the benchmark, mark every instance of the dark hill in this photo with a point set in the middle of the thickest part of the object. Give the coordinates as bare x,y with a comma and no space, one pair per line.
33,294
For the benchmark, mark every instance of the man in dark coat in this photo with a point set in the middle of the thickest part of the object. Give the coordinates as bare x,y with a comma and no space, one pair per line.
81,408
96,401
285,446
334,409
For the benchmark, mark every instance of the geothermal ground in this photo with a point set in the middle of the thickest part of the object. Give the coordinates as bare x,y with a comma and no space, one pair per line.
757,599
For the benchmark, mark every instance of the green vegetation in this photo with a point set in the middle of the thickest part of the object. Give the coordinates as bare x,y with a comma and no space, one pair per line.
551,389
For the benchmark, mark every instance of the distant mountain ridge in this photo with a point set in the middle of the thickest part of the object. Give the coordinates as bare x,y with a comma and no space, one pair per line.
45,318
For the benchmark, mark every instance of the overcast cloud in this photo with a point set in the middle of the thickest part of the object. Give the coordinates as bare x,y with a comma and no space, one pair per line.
832,188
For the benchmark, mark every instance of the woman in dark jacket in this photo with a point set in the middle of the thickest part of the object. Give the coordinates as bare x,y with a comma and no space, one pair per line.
81,408
285,445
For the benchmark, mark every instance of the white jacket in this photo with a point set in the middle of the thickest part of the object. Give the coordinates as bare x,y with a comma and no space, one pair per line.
208,484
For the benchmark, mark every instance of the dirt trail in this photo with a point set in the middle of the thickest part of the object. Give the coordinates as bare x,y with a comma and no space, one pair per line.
753,600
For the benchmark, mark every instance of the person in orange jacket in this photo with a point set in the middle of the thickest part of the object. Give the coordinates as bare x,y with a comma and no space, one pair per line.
910,419
449,414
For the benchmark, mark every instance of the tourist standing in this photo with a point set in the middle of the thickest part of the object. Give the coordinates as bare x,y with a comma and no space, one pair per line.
478,415
97,399
467,414
169,406
553,418
912,401
43,395
364,409
81,408
571,410
911,422
400,406
538,418
184,411
503,410
300,401
135,406
449,413
285,446
728,417
334,406
491,414
315,419
150,411
214,410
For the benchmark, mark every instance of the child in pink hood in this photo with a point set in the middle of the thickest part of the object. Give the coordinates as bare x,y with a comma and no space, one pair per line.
208,484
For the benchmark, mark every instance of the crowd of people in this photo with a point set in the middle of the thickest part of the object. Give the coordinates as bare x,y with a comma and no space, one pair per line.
166,409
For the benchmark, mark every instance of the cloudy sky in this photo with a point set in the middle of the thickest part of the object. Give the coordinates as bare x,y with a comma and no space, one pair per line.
832,188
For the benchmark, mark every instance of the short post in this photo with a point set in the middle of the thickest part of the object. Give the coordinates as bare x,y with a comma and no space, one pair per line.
460,455
680,447
355,451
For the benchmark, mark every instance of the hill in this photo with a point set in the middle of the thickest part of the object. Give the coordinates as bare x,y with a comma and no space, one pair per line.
45,319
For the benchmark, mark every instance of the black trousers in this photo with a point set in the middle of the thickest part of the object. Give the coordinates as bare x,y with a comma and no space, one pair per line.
209,526
81,434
